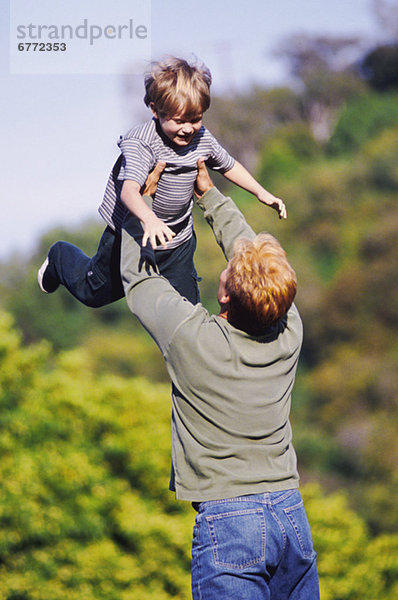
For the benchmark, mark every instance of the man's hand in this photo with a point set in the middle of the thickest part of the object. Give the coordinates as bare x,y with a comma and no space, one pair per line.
203,182
155,230
152,180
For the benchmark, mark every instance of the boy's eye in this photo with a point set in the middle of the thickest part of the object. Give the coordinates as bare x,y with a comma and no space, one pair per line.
182,121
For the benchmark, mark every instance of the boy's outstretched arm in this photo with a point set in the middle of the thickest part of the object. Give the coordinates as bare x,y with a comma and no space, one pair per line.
155,230
241,177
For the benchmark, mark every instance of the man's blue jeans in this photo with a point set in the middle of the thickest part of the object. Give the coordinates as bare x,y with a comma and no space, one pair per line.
254,547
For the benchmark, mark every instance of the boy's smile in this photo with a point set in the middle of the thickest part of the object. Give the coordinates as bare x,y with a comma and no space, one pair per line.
180,129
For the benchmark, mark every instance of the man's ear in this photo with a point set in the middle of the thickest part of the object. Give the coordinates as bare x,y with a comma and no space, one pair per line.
153,109
225,299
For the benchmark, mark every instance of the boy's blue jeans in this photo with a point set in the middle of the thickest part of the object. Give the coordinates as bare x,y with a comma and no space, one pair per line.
96,281
254,547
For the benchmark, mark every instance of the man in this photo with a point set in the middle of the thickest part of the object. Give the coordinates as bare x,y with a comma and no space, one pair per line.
232,377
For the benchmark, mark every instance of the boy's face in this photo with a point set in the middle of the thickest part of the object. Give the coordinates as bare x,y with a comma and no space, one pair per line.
179,128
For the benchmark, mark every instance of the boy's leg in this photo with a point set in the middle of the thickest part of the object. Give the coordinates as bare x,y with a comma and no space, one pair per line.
178,267
93,281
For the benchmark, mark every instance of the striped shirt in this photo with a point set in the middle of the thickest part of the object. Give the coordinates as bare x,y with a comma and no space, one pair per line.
141,148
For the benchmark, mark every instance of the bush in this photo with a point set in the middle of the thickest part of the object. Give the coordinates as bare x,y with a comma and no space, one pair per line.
363,119
381,158
84,509
289,147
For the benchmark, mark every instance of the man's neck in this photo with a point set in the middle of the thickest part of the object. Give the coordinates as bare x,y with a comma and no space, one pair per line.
223,314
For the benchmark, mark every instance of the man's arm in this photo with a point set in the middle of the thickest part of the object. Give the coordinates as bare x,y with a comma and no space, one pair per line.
150,297
222,214
156,304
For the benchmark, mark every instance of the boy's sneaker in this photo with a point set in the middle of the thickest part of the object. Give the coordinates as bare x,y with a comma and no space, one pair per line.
47,278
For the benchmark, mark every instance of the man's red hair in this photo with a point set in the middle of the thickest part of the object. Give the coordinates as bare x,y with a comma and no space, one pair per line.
261,284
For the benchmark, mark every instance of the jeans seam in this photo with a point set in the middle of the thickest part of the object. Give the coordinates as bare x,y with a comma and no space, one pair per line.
281,527
199,577
248,498
283,497
296,528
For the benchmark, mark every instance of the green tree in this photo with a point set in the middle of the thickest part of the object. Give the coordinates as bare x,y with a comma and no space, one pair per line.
380,68
352,565
363,119
84,510
291,146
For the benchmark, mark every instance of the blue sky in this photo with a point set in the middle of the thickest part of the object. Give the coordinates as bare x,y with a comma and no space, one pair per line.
58,131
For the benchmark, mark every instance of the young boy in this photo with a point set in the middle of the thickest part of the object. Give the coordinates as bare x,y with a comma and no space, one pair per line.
178,94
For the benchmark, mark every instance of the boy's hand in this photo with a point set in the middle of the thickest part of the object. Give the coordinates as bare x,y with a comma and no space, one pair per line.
273,202
156,231
241,177
203,182
152,180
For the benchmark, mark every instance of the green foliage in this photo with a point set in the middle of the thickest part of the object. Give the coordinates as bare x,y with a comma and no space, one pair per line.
363,119
60,319
126,352
243,121
291,146
84,511
352,566
331,89
381,158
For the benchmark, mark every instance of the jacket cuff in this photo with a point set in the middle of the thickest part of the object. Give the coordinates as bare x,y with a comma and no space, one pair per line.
210,199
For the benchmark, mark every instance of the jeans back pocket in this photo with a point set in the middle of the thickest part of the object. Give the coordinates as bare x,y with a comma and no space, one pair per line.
238,538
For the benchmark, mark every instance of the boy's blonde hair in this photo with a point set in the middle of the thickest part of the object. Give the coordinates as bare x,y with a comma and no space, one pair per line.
261,284
178,87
